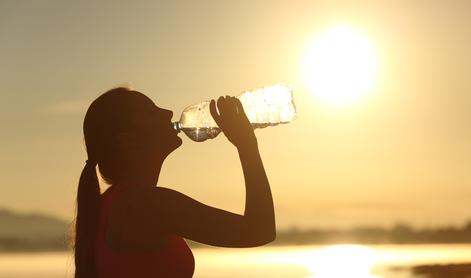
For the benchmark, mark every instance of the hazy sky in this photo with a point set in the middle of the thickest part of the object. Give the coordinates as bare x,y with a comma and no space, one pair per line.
402,153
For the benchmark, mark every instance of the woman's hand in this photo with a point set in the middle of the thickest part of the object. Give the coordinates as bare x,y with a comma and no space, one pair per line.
233,122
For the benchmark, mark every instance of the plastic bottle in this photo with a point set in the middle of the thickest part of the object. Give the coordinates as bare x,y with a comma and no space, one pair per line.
268,106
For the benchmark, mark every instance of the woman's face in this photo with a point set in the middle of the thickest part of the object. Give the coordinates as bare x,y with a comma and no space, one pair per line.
153,128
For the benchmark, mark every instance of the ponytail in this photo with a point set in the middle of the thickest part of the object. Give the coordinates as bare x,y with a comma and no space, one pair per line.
107,116
88,209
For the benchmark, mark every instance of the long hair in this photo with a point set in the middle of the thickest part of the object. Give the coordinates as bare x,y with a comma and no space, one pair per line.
106,117
88,207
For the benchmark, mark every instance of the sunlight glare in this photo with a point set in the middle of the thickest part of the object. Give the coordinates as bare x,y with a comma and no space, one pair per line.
340,66
338,261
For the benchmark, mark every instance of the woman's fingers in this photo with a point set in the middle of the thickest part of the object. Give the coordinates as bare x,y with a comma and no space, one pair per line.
231,118
234,109
222,107
226,110
214,113
230,111
233,106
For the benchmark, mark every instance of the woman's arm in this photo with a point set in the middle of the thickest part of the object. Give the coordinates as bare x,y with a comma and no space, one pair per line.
162,210
259,211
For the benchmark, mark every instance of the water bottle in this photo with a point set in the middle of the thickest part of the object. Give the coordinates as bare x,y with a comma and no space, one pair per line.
268,106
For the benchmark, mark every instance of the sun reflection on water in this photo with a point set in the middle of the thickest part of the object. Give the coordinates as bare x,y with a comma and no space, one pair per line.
335,261
353,261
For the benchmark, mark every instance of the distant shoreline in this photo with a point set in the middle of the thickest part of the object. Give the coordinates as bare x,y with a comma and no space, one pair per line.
42,233
459,270
197,245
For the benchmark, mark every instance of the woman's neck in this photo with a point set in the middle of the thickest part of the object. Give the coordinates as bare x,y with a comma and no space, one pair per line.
142,176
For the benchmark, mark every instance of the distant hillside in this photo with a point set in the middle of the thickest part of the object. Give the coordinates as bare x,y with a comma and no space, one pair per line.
398,234
29,232
37,232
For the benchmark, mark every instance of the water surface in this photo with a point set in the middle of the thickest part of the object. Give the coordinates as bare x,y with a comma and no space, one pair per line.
335,261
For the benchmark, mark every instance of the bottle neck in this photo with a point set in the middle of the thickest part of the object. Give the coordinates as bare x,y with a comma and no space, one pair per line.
177,126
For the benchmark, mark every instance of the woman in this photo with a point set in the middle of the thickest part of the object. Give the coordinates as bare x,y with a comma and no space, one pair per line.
136,228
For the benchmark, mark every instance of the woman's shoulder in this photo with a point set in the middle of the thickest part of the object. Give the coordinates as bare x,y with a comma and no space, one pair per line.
144,203
123,195
148,197
135,215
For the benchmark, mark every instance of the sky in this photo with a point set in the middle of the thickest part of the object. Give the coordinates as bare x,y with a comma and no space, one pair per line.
400,154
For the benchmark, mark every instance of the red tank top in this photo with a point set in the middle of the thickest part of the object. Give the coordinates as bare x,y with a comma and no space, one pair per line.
173,260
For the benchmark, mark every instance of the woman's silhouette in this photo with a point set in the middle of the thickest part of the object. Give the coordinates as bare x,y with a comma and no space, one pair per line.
136,228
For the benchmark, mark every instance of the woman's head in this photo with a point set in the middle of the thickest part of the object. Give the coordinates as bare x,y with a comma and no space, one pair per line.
124,130
128,137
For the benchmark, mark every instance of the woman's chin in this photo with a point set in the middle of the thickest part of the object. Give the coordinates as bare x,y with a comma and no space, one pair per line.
177,143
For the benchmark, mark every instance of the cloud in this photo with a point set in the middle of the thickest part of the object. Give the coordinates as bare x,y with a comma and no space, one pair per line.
68,107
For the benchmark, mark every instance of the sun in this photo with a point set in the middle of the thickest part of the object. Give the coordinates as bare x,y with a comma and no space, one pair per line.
341,65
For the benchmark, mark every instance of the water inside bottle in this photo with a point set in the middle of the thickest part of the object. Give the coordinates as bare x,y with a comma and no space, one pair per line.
203,133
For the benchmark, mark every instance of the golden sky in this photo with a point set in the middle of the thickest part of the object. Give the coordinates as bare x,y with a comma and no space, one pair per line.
400,153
